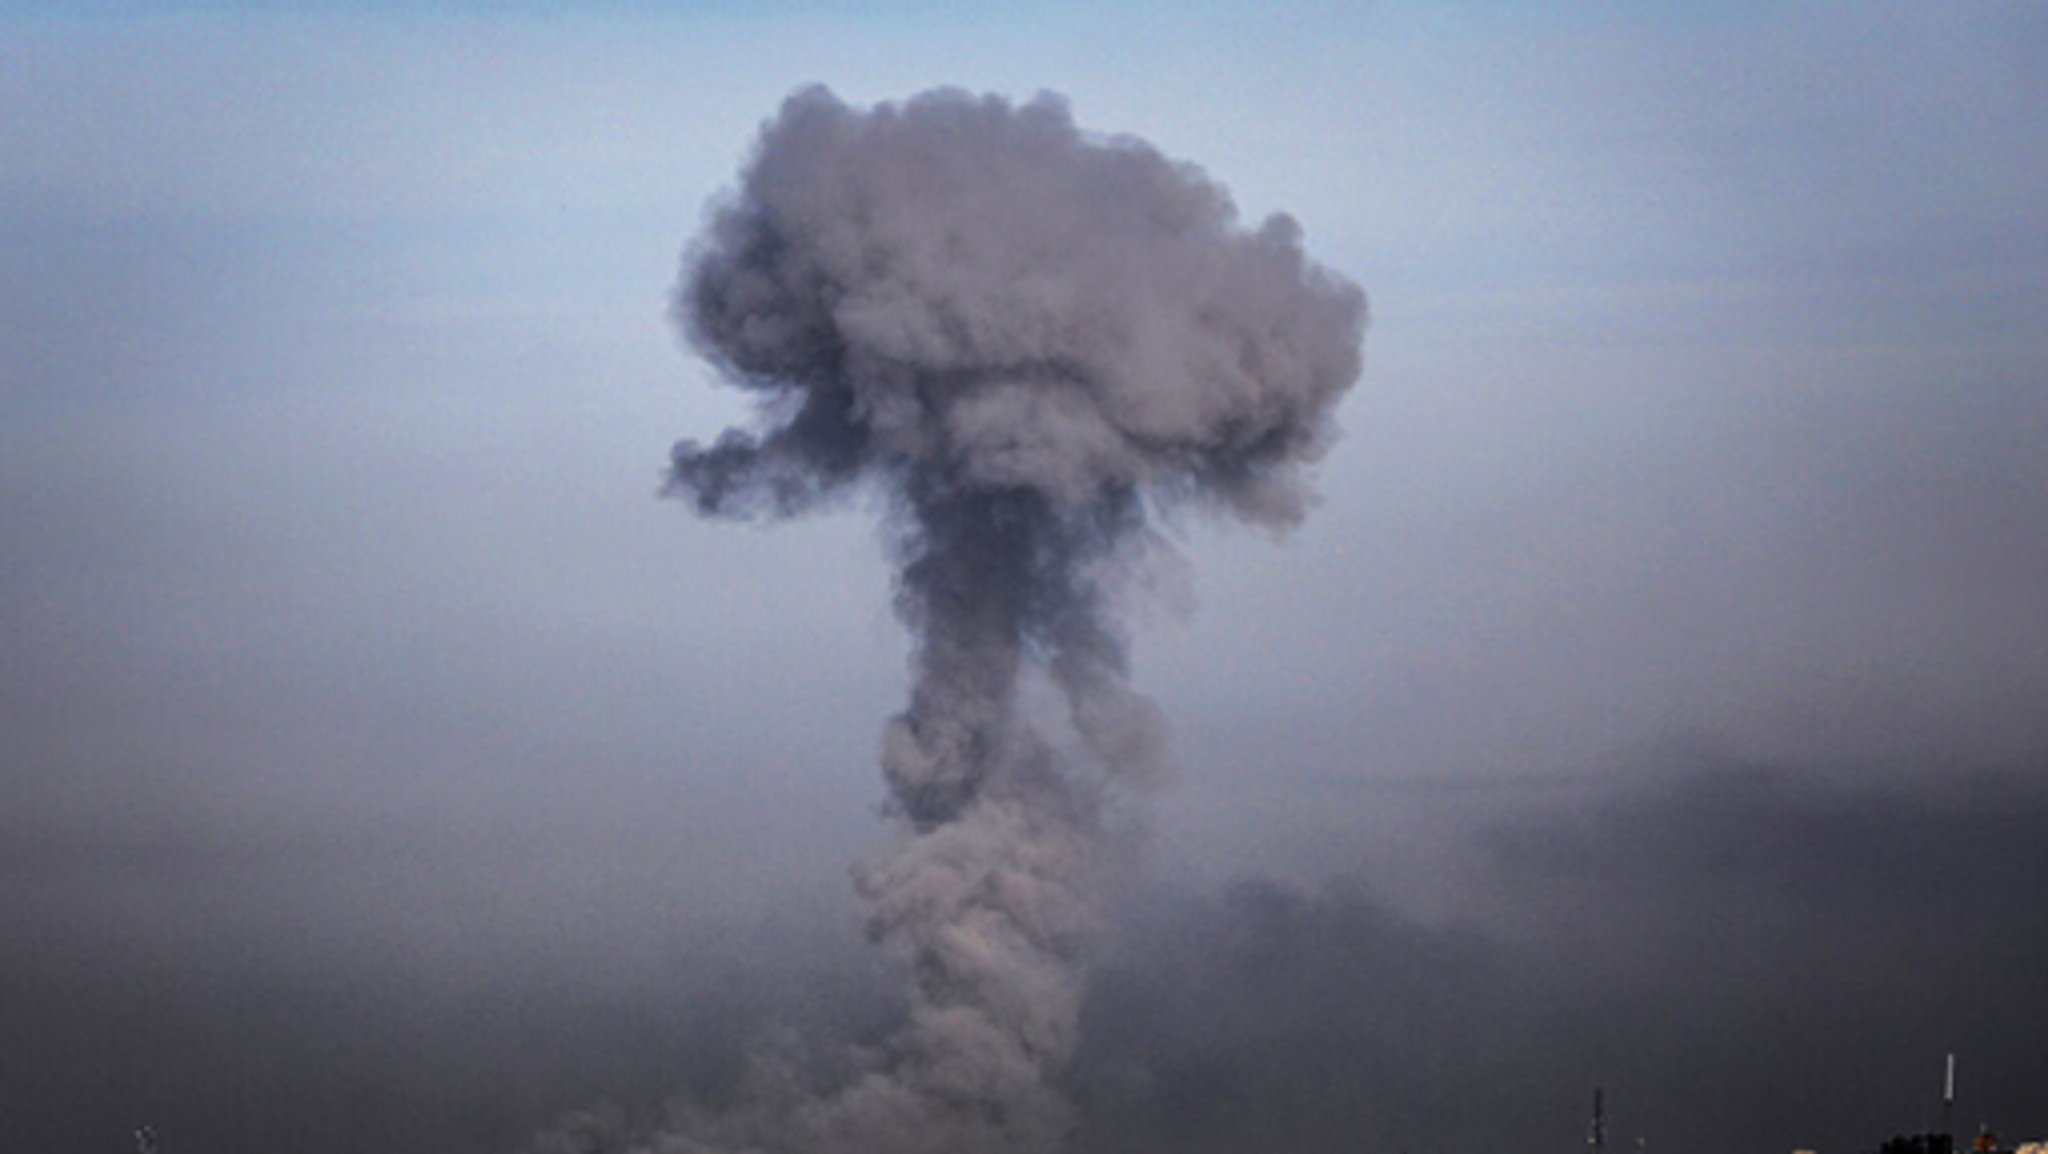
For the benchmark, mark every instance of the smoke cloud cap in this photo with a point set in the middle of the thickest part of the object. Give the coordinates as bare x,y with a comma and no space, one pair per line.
966,293
1025,339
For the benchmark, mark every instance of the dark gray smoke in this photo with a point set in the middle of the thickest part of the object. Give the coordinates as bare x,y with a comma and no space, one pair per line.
1026,341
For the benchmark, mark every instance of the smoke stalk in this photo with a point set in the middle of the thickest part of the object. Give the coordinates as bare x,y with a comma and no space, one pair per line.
1028,341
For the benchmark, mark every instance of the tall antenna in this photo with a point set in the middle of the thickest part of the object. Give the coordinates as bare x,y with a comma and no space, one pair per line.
1596,1135
1948,1096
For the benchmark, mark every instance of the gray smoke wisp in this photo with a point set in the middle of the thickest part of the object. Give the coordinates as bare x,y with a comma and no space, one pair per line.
1026,341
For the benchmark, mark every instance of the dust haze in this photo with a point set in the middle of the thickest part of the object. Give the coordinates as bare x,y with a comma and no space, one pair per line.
1647,698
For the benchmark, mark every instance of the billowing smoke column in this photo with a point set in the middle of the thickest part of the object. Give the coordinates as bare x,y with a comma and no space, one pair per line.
1026,340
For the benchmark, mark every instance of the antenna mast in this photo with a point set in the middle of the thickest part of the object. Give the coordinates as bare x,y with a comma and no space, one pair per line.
1948,1097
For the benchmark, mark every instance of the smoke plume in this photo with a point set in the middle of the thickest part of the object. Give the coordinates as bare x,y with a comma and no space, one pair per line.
1024,341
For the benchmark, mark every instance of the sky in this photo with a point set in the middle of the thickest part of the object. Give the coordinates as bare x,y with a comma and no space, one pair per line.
1652,700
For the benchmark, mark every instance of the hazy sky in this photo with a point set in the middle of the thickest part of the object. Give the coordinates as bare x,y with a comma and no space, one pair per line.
1657,698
